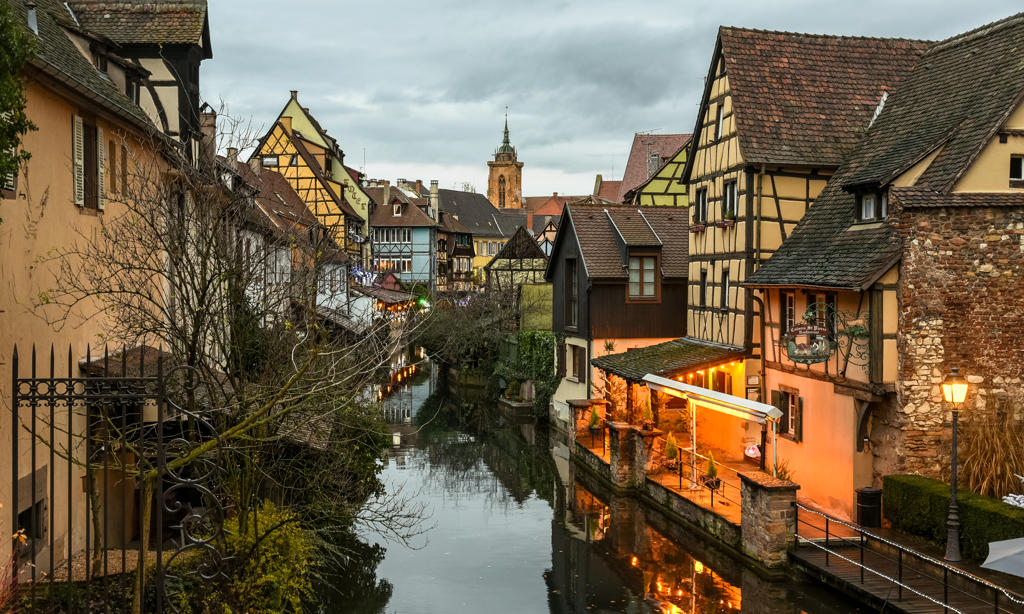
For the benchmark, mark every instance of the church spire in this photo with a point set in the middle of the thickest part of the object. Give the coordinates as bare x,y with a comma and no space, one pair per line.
506,144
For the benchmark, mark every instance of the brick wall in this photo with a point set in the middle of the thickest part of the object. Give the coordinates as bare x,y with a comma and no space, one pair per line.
961,304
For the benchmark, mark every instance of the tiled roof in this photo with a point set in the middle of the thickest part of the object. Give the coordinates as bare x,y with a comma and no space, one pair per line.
916,198
666,358
599,241
389,297
965,86
805,99
450,224
412,216
637,169
958,96
157,22
520,246
474,211
58,57
314,166
277,197
610,190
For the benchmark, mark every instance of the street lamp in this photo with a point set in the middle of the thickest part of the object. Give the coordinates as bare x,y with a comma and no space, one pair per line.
954,389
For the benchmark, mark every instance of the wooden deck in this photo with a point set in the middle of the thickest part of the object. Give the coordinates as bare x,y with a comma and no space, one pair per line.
926,579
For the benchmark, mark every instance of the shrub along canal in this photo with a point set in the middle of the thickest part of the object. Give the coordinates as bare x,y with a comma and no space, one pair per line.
513,528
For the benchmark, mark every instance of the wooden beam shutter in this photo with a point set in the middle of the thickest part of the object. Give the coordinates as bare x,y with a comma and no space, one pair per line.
799,430
777,402
560,358
101,169
78,160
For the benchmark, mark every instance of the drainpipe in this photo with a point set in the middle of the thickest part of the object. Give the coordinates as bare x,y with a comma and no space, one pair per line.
758,194
763,386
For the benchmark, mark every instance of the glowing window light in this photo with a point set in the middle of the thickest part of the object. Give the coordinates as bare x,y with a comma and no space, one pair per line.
698,567
634,561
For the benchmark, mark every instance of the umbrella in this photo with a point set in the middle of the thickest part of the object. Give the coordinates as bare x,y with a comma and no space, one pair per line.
1006,556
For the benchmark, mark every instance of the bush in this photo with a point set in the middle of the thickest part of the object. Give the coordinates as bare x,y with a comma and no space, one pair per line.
269,571
671,447
919,506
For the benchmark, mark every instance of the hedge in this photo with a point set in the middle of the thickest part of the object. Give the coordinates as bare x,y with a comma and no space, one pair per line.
920,505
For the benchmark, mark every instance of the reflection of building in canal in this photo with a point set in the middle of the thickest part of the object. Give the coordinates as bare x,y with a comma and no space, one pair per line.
411,380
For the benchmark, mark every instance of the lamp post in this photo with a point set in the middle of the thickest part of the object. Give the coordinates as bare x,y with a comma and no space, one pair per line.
954,390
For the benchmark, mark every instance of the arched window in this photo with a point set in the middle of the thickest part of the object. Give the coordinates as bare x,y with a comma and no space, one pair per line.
501,192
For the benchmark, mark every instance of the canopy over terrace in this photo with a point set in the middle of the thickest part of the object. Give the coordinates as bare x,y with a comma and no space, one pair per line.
683,357
751,411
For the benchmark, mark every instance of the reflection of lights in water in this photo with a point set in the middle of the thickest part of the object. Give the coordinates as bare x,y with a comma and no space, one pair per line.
635,561
698,567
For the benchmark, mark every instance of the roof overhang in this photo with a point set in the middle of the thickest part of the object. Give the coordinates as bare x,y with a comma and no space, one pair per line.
745,409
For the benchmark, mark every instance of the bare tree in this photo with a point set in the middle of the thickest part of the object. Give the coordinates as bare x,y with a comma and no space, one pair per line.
187,261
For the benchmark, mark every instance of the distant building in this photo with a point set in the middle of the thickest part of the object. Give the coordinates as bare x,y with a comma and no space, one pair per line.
403,236
505,177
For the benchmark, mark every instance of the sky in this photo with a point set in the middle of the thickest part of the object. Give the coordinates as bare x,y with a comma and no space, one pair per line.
419,89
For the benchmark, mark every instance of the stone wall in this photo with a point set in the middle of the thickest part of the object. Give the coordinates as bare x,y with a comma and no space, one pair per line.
769,518
961,304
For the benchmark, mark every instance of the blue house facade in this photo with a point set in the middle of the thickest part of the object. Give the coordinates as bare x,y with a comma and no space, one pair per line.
404,239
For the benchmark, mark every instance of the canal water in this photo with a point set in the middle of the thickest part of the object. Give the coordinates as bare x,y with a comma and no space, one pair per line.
512,527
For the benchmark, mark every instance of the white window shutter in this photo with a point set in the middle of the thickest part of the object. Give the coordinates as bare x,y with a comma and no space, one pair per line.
78,159
101,169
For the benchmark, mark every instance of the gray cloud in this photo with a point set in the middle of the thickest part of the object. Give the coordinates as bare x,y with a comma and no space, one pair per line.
418,83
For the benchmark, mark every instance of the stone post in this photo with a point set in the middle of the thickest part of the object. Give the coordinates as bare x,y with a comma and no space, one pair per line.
768,522
643,442
623,451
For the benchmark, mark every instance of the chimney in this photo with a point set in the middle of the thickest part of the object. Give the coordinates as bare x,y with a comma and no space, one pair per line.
435,201
207,137
529,221
295,94
233,157
419,187
255,165
554,195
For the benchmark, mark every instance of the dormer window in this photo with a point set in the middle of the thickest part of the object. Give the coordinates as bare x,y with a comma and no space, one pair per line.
872,205
1017,171
397,209
643,277
269,161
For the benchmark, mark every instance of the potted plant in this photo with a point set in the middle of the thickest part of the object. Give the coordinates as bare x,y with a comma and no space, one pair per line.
512,389
647,420
697,227
728,220
671,451
711,479
595,420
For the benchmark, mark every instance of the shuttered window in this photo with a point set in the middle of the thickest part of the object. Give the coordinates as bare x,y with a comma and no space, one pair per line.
78,160
560,354
101,169
792,406
10,180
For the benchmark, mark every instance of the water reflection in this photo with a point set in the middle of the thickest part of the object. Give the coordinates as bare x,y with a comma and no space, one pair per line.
515,528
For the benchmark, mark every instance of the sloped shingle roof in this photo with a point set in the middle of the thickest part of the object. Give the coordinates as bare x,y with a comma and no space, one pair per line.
474,211
598,238
948,87
157,22
666,358
806,99
412,216
637,171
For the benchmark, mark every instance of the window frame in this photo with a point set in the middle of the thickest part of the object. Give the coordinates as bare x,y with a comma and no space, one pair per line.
270,161
879,207
643,258
730,198
1018,181
787,311
578,362
571,281
700,206
719,120
791,424
703,289
726,286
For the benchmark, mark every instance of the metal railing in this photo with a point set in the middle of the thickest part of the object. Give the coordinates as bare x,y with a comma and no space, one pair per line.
688,472
927,567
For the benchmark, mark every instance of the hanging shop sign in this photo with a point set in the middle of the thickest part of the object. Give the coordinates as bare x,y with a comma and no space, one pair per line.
808,344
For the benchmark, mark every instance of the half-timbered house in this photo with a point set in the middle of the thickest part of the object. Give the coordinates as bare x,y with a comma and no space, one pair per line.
618,279
296,147
403,237
907,265
654,166
778,113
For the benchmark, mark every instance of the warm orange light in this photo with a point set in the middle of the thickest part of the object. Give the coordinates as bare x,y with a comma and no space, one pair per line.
698,567
634,561
689,376
954,388
701,371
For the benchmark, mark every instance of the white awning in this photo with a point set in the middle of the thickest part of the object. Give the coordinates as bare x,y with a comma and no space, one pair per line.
739,407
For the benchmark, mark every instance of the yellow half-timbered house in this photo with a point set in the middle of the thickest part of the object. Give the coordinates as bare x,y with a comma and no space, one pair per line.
779,112
663,187
909,263
300,150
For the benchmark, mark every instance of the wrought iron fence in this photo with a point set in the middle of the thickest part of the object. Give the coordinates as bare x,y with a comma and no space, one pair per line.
105,510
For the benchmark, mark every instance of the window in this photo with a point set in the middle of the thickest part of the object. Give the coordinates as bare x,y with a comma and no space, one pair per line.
788,301
578,356
703,289
501,192
397,209
571,292
718,121
822,310
1017,171
729,200
872,205
725,289
293,160
269,161
792,406
700,206
88,155
643,279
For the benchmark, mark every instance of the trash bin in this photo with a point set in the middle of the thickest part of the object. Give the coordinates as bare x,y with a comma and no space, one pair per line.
869,507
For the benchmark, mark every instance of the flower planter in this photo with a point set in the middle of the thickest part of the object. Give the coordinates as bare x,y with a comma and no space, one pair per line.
726,223
697,228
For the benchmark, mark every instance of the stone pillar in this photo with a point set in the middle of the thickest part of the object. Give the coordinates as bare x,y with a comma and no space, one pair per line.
623,451
643,442
631,403
768,523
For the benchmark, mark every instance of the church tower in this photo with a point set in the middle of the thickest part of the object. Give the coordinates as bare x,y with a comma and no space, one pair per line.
505,181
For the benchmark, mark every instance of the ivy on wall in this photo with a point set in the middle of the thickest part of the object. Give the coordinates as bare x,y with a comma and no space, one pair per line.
531,357
16,47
